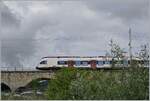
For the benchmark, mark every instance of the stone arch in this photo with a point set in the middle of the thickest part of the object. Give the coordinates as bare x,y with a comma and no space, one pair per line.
20,89
5,87
27,86
15,80
36,79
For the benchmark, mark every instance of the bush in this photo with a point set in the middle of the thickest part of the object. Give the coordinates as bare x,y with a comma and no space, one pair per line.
100,85
58,87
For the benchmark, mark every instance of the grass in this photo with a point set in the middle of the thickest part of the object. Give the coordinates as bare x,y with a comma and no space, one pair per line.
31,97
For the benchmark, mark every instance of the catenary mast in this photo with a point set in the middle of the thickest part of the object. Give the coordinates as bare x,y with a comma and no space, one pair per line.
130,45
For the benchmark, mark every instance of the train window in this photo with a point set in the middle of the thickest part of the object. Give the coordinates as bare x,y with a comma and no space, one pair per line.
103,62
110,62
61,62
125,62
77,63
128,62
107,62
99,62
43,62
84,63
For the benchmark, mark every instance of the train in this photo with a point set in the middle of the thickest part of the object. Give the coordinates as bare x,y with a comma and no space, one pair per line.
93,62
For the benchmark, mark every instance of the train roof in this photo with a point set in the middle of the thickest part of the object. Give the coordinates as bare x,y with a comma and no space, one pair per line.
76,57
134,58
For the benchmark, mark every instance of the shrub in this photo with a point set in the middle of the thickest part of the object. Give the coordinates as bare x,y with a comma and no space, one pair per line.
58,87
100,85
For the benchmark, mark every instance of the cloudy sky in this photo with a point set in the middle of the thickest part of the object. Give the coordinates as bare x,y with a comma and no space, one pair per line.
34,29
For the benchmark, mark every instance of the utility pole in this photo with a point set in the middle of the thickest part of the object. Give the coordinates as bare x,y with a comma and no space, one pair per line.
111,45
1,46
0,53
130,45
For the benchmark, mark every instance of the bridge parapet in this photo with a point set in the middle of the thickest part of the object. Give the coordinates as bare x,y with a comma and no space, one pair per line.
17,69
16,79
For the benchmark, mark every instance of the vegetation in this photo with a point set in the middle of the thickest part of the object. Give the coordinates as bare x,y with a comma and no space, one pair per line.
133,83
116,52
59,87
144,54
17,97
76,84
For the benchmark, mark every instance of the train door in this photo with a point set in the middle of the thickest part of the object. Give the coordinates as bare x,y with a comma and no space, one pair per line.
93,64
70,63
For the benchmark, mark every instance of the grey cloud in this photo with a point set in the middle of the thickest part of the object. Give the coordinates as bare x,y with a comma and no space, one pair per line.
9,20
127,10
18,37
84,34
82,28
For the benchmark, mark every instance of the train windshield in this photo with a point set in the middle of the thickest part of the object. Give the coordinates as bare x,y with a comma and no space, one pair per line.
43,62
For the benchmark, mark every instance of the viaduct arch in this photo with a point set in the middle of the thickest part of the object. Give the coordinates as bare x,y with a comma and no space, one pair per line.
16,79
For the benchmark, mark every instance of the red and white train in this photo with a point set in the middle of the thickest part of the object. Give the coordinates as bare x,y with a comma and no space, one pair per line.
51,62
55,62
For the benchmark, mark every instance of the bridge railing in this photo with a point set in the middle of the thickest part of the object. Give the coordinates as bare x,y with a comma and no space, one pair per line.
17,69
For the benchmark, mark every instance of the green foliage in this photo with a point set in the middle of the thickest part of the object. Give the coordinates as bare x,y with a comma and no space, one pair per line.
100,85
138,86
116,50
116,53
58,87
34,85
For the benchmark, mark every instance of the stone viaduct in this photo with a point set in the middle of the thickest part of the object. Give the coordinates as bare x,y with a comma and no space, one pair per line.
16,79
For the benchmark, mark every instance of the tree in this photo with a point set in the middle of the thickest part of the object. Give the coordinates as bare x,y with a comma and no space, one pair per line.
107,54
116,52
144,54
